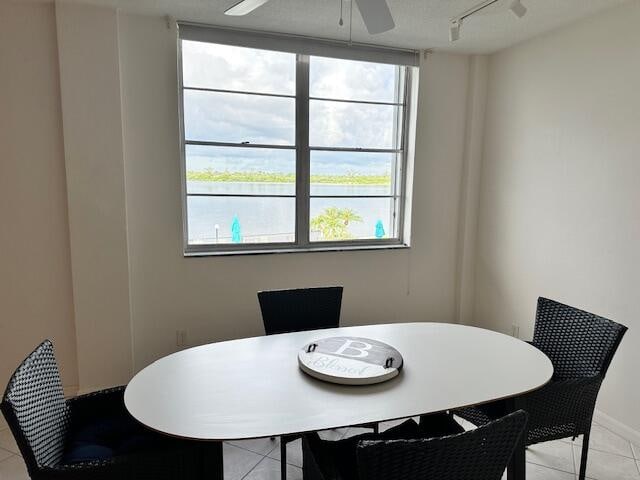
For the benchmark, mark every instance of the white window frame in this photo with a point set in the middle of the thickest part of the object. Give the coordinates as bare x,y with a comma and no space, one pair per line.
303,48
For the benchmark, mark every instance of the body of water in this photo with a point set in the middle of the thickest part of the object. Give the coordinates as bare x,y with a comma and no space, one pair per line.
272,219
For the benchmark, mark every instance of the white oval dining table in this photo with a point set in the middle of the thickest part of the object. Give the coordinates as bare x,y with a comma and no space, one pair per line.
253,387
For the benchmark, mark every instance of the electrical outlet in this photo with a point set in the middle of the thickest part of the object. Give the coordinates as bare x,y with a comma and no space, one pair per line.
181,338
515,330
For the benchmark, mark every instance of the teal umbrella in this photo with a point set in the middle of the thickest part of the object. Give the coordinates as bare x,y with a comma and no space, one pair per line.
236,232
379,229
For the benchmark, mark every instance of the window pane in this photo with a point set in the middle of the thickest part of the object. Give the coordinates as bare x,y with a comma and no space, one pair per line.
351,218
351,80
224,67
235,118
353,125
351,173
240,220
238,170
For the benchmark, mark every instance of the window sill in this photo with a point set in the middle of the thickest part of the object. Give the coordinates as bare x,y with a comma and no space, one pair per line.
312,249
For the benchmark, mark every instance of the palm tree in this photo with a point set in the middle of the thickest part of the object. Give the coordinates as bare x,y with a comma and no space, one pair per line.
333,223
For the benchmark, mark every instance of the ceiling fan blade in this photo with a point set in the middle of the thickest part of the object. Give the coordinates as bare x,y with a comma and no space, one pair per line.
376,15
244,6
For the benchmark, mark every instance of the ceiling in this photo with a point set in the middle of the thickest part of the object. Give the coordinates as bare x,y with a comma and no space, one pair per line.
420,24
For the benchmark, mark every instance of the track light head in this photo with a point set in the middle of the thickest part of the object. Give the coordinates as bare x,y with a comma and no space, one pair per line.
454,30
518,8
243,7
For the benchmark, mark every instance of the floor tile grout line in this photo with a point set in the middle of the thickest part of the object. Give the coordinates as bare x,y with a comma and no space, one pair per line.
17,454
272,450
9,458
632,457
611,431
577,464
633,453
264,457
608,453
553,468
247,450
254,467
257,453
278,459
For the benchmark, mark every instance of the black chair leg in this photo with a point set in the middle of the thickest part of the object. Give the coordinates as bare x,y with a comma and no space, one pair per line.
214,462
283,458
585,452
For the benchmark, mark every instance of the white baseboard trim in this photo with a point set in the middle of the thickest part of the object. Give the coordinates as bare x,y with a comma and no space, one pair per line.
93,388
70,390
617,427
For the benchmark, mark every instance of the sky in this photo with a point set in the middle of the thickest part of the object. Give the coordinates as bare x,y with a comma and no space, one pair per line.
229,117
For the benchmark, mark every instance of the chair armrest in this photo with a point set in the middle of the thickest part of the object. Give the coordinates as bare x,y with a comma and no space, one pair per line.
96,404
572,389
570,401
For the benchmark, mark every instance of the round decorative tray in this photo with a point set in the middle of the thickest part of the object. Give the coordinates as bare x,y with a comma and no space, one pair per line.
350,360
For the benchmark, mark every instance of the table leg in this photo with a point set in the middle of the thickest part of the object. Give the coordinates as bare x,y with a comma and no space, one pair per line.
209,464
283,458
517,469
218,473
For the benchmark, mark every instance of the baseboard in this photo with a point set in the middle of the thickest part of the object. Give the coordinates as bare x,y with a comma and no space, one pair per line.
90,389
70,390
617,427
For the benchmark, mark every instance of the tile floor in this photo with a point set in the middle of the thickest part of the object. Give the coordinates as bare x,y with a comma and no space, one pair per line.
610,458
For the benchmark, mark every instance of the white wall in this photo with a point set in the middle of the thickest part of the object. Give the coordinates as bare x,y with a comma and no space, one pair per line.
114,103
214,298
558,197
35,282
559,209
91,112
470,189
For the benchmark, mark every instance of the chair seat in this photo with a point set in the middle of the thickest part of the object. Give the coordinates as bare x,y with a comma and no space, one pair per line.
338,459
92,436
107,437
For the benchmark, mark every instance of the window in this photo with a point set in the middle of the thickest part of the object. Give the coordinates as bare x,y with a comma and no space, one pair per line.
286,151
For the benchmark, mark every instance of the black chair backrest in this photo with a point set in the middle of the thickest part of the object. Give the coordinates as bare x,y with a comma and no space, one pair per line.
300,309
36,410
480,454
579,344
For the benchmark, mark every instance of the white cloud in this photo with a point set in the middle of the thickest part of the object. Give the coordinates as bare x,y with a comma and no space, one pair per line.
270,120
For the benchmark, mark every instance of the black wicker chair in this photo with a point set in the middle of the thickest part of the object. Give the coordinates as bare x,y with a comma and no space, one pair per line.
296,310
581,346
480,454
300,309
58,437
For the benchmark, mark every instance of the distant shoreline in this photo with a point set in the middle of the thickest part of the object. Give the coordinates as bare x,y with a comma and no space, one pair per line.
267,177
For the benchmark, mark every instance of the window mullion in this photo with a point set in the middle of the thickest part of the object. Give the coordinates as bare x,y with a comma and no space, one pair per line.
397,144
302,150
401,172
